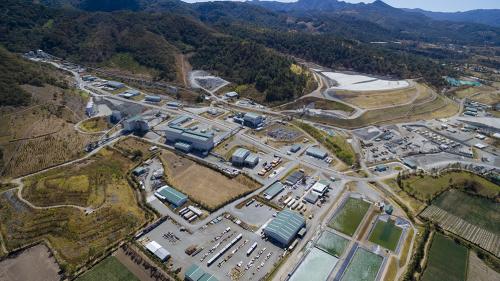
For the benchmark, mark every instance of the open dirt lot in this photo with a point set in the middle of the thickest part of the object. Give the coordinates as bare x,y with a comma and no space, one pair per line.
33,264
479,271
203,185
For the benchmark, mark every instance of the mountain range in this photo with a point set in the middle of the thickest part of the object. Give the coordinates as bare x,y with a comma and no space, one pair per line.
253,44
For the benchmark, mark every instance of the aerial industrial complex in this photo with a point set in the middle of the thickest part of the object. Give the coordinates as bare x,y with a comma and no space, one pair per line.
230,189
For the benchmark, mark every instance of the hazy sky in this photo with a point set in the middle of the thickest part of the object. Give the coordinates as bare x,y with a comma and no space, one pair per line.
430,5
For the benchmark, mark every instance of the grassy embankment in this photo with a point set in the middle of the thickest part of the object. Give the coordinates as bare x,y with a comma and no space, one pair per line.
335,144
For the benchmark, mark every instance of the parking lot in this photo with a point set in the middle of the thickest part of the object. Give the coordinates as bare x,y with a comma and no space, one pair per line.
205,242
255,214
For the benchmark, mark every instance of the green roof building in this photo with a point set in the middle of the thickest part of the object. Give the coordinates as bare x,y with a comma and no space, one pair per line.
284,227
273,190
196,273
171,195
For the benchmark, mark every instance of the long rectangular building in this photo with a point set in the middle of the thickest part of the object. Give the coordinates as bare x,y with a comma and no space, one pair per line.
171,195
284,227
196,140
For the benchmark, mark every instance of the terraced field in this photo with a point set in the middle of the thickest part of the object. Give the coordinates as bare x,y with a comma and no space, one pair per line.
74,235
479,236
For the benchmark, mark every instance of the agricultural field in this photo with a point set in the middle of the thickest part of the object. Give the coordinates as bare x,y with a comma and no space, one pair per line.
379,99
316,103
386,234
43,135
348,218
471,217
447,260
96,124
364,266
109,269
426,187
332,243
75,236
209,188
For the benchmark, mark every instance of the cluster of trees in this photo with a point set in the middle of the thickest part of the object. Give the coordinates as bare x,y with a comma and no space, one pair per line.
245,62
15,72
338,53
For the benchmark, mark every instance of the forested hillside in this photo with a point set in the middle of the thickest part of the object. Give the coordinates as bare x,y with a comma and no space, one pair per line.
16,71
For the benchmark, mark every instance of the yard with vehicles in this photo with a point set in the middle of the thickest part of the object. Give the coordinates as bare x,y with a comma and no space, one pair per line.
447,260
75,235
386,234
95,124
349,216
109,269
209,188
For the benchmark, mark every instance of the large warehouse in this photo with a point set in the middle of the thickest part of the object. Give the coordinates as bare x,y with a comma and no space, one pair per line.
243,157
316,153
273,190
203,142
284,227
171,195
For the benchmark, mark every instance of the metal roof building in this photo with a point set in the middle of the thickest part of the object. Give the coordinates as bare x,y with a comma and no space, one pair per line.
197,140
273,190
171,195
252,160
294,177
316,152
284,227
239,156
196,273
115,84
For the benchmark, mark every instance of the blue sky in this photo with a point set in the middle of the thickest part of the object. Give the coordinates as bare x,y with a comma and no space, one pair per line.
431,5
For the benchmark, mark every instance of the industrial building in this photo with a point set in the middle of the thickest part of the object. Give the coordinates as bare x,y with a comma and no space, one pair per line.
295,177
273,190
316,153
157,250
381,168
295,148
196,273
179,120
90,108
115,116
252,120
243,157
312,197
187,140
115,85
231,95
410,163
129,94
135,124
284,227
150,98
321,187
172,196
